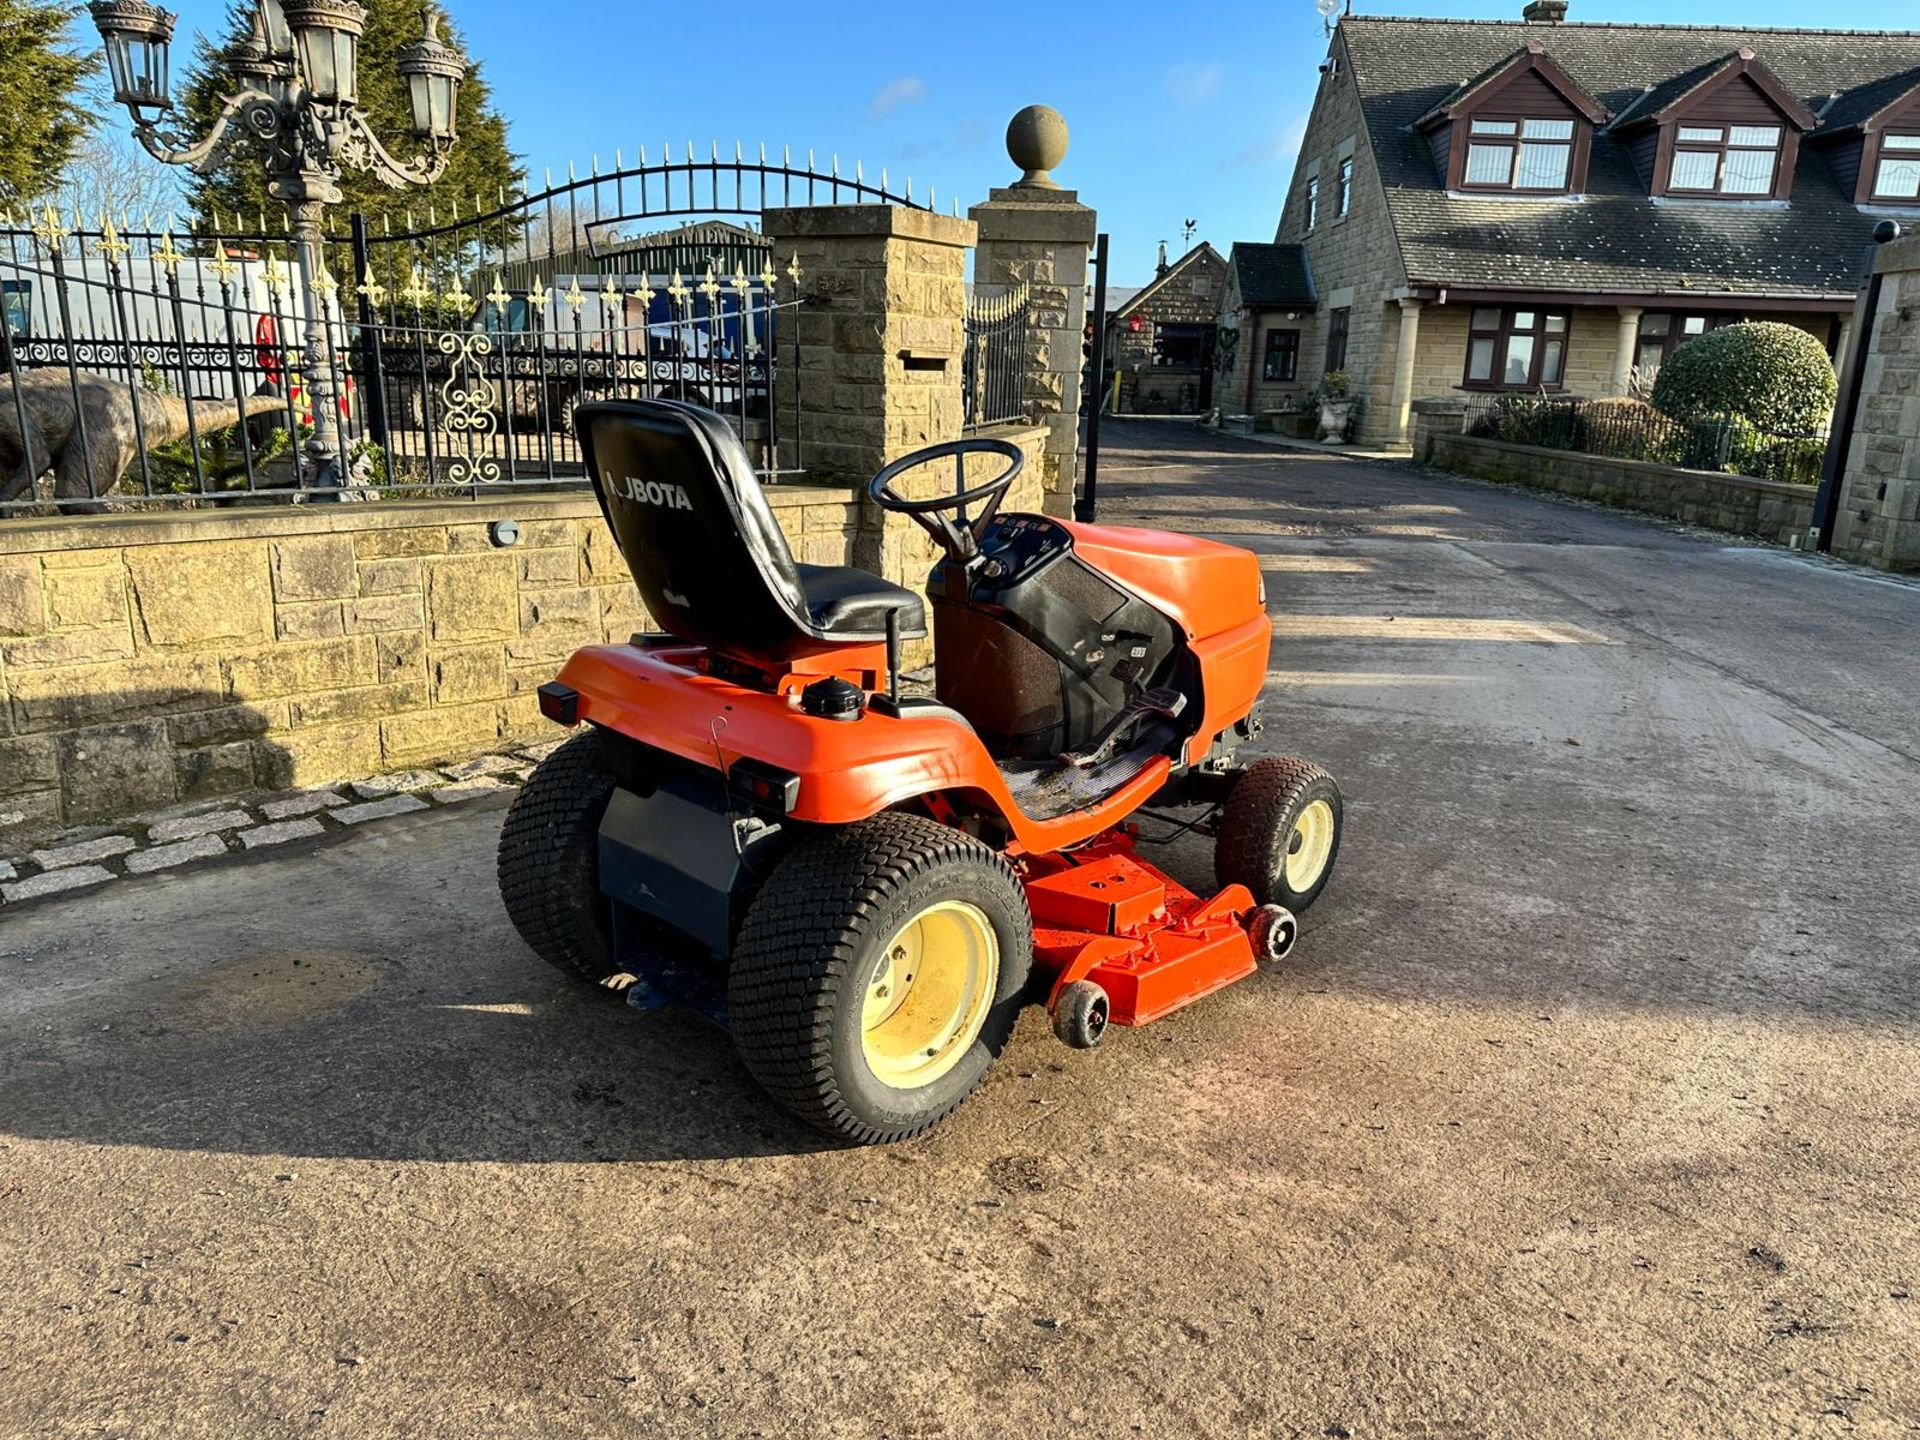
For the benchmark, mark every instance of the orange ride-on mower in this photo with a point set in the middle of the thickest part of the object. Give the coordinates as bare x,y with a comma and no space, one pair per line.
860,883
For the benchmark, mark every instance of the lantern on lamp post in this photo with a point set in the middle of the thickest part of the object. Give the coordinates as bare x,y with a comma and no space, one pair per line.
295,91
433,71
137,36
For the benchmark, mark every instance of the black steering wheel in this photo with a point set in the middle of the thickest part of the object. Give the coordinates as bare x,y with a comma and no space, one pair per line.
958,535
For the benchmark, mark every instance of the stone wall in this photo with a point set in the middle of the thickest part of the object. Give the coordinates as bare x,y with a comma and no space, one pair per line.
1767,509
157,658
1879,513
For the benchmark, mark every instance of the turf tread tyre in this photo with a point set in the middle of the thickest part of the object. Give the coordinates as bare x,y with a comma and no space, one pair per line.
800,948
548,861
1257,823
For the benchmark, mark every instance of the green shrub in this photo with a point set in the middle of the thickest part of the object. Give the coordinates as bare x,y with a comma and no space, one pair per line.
1775,377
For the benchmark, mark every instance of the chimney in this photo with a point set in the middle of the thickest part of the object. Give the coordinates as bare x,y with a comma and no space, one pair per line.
1161,268
1544,12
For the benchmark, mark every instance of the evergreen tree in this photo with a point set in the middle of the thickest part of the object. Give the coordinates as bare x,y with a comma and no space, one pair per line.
481,164
42,116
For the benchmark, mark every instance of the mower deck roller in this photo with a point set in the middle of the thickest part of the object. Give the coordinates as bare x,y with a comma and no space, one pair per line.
861,884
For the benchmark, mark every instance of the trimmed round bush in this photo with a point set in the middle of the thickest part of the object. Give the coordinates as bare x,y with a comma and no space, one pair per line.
1775,377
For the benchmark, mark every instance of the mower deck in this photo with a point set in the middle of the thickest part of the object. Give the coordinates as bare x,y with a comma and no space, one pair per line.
1101,913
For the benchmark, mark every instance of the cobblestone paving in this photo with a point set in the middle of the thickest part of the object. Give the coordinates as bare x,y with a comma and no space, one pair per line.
211,830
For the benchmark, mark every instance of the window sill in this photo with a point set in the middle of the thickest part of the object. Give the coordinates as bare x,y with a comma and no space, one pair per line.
1487,387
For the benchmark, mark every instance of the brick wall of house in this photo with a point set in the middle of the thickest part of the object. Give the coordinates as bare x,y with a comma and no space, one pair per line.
1355,261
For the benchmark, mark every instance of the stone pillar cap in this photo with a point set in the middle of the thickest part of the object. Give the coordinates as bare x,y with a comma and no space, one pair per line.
1037,142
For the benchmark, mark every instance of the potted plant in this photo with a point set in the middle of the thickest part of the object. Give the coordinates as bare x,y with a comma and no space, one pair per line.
1336,405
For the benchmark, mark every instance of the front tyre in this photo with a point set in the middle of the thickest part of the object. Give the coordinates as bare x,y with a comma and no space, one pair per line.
1280,832
878,975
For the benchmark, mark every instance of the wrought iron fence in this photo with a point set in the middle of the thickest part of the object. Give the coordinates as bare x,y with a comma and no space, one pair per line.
993,370
160,369
1627,429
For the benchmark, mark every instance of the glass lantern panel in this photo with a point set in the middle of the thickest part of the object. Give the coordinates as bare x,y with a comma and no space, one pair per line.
345,67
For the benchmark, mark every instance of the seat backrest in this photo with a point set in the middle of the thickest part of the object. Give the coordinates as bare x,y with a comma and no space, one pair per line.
709,559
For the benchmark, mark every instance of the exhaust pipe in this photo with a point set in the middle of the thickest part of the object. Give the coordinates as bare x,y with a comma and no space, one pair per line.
1273,931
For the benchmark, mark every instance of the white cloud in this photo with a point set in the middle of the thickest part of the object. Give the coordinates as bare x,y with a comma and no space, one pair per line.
1277,148
1193,83
905,91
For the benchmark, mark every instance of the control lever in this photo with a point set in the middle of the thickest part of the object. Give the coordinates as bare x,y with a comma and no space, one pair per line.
1162,702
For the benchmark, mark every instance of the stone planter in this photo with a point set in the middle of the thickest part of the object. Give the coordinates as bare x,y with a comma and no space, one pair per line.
1335,415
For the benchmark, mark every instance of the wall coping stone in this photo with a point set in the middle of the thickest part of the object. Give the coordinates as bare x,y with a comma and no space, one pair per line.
1897,255
802,221
1440,405
1748,483
96,532
1020,216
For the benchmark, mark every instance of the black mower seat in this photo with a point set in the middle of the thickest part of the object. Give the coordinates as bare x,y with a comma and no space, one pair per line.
706,553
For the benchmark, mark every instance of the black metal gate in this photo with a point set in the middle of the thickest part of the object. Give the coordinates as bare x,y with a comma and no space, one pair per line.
171,370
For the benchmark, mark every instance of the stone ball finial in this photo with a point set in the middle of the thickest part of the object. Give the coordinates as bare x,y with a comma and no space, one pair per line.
1036,142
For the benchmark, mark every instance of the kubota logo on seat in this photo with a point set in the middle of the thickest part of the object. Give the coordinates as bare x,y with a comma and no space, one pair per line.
649,492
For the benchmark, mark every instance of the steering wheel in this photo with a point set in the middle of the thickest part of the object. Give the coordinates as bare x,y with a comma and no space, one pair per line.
958,536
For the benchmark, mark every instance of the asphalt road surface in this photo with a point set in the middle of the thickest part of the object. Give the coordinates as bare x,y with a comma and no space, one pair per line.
1587,1106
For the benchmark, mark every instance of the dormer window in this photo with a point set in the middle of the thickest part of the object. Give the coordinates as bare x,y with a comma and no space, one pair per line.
1726,129
1737,160
1519,154
1897,175
1522,126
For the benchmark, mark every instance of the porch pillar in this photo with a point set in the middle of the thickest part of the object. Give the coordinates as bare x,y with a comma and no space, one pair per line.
1626,340
1403,356
1842,346
1034,233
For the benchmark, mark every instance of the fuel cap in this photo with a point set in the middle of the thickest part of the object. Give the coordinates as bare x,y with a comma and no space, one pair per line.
833,699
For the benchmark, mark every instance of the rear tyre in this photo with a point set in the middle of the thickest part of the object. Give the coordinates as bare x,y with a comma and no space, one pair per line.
549,861
1280,832
878,975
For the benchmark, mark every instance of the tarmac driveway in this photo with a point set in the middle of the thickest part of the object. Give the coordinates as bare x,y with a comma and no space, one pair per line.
1586,1107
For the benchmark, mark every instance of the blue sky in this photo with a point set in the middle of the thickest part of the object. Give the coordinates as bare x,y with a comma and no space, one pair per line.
1184,108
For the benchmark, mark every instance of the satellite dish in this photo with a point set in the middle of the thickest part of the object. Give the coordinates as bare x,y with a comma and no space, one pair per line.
1327,8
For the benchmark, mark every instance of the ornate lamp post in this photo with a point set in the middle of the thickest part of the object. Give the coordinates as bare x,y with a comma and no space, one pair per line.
296,83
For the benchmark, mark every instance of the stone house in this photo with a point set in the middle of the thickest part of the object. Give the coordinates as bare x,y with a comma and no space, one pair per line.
1266,307
1535,205
1160,341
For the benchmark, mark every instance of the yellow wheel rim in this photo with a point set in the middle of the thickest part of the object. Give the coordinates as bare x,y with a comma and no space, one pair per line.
1309,846
930,995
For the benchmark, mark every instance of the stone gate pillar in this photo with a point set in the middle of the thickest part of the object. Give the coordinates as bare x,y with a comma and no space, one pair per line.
1035,233
869,366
